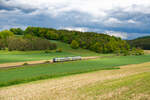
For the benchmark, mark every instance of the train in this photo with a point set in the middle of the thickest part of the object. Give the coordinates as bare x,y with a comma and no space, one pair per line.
64,59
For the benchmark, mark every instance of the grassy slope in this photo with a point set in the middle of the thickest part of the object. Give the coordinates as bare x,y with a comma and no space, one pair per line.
18,56
43,71
135,87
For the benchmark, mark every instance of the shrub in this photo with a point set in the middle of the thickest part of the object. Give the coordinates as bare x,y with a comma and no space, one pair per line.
133,51
25,64
74,44
59,50
47,62
126,52
47,51
139,52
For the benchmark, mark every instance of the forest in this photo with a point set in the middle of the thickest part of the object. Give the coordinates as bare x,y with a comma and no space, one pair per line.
142,42
100,43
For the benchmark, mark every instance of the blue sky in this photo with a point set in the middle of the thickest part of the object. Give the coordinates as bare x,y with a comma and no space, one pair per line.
127,19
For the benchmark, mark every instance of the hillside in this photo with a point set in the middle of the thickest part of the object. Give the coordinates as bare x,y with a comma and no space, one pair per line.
142,42
97,42
19,56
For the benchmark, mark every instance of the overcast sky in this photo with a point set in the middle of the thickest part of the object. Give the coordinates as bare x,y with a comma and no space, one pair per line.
123,18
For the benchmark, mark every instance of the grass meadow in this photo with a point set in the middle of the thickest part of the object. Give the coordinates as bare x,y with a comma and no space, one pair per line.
44,71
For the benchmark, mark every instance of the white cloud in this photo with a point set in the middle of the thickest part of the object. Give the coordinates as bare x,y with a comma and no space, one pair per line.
131,21
81,29
97,8
81,15
117,34
112,22
124,35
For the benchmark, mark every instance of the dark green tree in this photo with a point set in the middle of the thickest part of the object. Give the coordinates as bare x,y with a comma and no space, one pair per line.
17,31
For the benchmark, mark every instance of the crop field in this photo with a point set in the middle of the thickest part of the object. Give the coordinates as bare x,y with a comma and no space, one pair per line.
20,56
130,82
44,71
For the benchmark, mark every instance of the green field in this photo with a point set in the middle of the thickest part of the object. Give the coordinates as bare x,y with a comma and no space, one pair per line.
19,56
43,71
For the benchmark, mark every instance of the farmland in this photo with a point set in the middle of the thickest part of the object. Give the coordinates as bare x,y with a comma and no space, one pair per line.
44,71
130,82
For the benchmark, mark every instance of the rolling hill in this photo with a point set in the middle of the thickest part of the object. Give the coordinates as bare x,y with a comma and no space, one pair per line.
20,56
142,42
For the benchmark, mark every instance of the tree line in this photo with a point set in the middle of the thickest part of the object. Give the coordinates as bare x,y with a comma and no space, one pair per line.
24,43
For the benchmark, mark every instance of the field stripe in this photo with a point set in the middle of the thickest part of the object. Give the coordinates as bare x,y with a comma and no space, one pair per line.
19,64
63,88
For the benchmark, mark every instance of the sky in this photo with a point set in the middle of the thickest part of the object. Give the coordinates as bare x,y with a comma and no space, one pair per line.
127,19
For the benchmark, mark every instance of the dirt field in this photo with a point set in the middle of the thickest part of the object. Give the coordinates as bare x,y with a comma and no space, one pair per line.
147,51
67,88
18,64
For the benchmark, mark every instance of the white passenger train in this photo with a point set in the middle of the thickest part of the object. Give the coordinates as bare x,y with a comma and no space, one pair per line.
66,59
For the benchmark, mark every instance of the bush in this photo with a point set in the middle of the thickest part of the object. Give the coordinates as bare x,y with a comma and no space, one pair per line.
139,52
74,44
25,64
133,51
47,51
59,50
47,62
126,52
